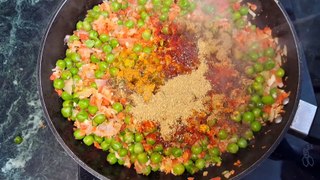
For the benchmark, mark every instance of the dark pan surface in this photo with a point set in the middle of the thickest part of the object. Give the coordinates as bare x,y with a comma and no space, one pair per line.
93,160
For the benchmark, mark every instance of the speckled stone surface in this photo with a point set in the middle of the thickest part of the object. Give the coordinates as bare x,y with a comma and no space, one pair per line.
22,26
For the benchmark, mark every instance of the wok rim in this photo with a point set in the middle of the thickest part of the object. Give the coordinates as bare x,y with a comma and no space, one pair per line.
242,174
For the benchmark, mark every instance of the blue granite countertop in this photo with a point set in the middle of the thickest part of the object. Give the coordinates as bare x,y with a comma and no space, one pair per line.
22,26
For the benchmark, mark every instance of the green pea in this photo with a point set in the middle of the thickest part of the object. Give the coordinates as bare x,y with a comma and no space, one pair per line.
176,152
117,106
58,84
67,103
98,139
115,145
147,170
259,79
178,169
155,157
103,65
93,34
167,3
257,86
89,43
111,158
97,43
214,151
99,74
18,140
138,148
113,71
269,52
147,50
124,5
105,145
254,56
247,117
240,23
104,38
66,96
144,15
133,158
255,98
150,141
68,63
200,163
236,15
78,134
123,152
222,134
137,48
88,140
104,14
142,2
211,122
269,64
142,157
92,109
146,35
107,48
194,157
196,149
79,64
114,43
100,118
75,57
74,70
192,169
158,147
128,137
140,23
83,103
242,143
120,22
94,59
163,17
79,25
82,116
248,134
127,119
138,137
257,112
255,126
115,6
236,116
86,25
129,24
249,70
258,67
110,58
165,30
267,100
244,10
66,112
61,64
232,148
280,72
156,2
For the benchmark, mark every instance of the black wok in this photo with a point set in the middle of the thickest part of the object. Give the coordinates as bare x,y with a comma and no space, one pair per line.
93,160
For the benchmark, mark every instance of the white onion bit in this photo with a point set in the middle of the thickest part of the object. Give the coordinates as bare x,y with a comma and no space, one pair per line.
66,39
278,120
285,101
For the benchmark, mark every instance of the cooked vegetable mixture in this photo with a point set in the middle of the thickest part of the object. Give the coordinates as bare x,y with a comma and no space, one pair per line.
164,85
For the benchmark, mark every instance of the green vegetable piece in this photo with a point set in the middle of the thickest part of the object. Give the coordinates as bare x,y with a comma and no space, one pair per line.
244,10
269,52
267,100
242,143
104,38
178,169
255,126
98,139
158,148
107,48
222,134
110,58
88,140
247,117
82,116
58,84
123,152
176,152
66,112
115,6
89,43
200,163
100,118
114,43
61,64
146,35
111,158
155,157
232,148
138,137
142,157
83,103
66,96
138,148
117,106
280,72
18,139
78,134
105,145
196,149
113,71
115,145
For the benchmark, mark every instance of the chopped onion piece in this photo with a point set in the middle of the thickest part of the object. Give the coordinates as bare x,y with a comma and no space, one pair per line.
278,119
285,101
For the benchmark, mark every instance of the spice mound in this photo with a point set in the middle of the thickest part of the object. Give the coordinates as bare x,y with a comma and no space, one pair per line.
175,101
